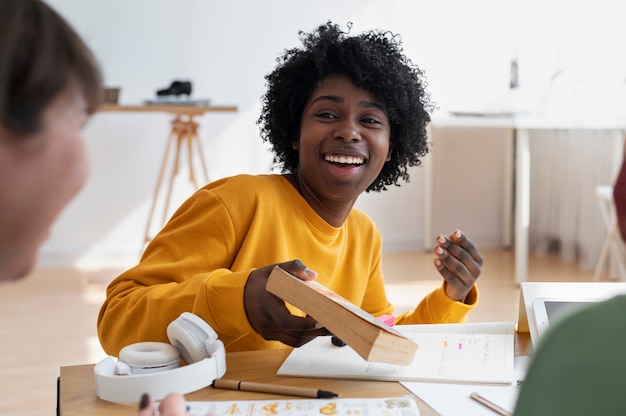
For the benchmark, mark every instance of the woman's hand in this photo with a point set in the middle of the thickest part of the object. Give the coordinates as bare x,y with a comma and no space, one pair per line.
459,262
268,314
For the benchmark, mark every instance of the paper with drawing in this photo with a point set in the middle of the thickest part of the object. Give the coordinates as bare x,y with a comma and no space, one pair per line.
390,406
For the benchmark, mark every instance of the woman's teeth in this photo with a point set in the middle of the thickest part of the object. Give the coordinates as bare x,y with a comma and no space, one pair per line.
349,160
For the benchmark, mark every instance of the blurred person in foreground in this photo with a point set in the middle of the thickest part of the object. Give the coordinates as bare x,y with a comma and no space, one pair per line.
49,86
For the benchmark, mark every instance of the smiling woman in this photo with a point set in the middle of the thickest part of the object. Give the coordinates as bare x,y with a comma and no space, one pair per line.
344,114
373,62
343,145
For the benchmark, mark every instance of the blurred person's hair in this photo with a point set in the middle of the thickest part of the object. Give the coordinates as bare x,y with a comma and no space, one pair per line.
41,57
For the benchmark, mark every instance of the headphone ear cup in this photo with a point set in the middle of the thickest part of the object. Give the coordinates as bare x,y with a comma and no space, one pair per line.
192,336
149,357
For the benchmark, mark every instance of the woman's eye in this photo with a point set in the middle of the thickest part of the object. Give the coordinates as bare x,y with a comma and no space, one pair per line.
370,120
326,115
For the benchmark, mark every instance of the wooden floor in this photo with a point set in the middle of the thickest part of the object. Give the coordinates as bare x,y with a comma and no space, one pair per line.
49,319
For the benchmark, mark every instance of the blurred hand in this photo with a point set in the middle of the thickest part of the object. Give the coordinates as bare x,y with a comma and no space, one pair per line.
172,405
268,314
459,262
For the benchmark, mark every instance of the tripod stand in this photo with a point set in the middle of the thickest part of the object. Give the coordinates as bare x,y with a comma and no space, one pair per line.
184,133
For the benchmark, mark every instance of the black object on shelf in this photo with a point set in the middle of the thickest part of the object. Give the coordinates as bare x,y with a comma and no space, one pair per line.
176,88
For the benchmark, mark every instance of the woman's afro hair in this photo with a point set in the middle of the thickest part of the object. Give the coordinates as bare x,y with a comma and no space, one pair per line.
373,61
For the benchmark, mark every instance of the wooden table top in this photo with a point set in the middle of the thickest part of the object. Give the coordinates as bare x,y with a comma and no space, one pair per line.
172,109
78,396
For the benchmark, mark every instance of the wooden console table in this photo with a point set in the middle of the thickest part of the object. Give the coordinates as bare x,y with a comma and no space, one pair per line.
184,131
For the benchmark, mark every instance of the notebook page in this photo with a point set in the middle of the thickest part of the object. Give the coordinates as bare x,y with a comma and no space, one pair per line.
463,353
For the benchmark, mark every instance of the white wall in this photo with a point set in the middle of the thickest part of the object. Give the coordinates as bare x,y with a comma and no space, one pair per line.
226,48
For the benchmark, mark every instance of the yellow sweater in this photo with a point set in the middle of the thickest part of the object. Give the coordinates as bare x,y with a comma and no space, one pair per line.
201,259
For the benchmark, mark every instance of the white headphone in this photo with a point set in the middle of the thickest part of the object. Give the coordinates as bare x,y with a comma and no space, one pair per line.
154,367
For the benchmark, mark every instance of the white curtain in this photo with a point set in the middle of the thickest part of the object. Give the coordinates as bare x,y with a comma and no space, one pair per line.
566,166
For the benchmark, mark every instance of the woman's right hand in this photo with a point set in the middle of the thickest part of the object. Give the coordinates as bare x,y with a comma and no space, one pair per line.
268,314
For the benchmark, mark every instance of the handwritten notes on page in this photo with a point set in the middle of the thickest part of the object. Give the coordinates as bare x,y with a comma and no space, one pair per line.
391,406
479,353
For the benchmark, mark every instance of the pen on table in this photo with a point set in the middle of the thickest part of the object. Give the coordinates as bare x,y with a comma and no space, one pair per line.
490,405
273,388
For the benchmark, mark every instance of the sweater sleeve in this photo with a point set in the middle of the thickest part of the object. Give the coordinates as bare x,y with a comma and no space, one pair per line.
438,308
183,269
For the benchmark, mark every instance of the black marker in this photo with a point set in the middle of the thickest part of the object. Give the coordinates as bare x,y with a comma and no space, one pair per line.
336,341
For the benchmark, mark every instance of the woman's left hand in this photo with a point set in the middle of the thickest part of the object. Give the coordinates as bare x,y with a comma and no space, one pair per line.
459,262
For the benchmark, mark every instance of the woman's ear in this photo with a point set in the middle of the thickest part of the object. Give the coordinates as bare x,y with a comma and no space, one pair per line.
389,152
295,145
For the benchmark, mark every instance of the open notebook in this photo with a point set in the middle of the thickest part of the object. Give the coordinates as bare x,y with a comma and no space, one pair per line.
480,353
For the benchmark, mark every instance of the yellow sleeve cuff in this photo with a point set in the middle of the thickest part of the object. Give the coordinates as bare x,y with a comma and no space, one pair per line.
438,308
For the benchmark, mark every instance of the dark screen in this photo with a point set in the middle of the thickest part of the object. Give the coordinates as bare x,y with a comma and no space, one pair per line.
554,309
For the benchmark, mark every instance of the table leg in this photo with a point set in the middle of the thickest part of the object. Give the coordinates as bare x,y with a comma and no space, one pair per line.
427,217
507,191
184,133
522,204
173,136
192,137
201,154
179,142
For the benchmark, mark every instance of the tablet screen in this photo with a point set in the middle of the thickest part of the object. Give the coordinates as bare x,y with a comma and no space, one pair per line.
548,311
556,308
